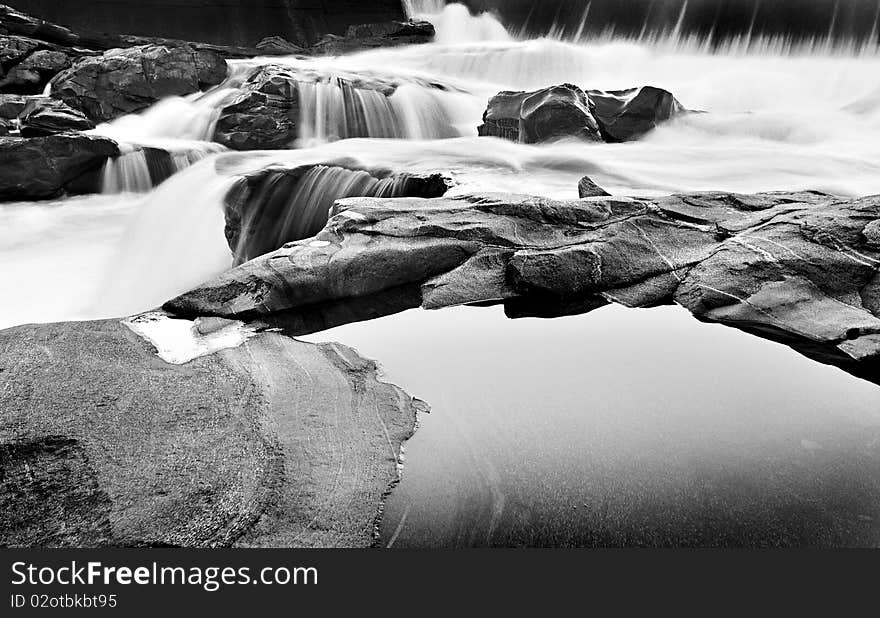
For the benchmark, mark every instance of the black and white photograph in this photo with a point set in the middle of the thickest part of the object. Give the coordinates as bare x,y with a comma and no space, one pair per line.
385,275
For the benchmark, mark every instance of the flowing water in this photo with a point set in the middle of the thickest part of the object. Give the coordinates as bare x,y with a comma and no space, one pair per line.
783,113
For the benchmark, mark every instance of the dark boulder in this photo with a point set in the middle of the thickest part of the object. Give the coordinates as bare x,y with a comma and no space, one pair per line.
625,115
11,105
45,167
124,81
31,75
14,49
588,188
380,34
567,111
265,115
41,117
542,115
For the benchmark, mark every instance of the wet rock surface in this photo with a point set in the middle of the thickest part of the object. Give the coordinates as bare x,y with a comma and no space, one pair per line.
567,111
275,443
380,34
124,81
45,167
42,117
274,206
796,267
267,113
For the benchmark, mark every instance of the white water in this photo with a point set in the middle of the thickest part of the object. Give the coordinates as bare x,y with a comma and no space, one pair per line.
779,118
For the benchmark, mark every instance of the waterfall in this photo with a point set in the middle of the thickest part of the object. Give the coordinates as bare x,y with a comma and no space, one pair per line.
332,109
141,168
288,205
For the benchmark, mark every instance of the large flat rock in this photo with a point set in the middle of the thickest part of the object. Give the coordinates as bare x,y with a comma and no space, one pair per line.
799,267
268,442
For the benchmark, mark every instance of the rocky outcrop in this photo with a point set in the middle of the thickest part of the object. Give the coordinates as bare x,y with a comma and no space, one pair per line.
566,111
625,115
265,115
262,442
45,167
382,34
209,22
542,115
269,208
124,81
27,65
588,188
43,116
267,112
793,266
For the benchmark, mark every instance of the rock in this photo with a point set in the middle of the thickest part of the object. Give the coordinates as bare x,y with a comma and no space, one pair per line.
31,75
266,115
102,443
11,105
42,117
380,34
274,206
872,234
124,81
534,117
14,49
588,188
44,167
790,266
208,21
566,111
277,44
625,115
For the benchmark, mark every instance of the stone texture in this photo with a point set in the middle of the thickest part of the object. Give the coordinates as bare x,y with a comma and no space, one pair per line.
44,167
791,266
275,443
381,34
266,114
124,81
588,188
269,208
542,115
626,115
568,111
41,117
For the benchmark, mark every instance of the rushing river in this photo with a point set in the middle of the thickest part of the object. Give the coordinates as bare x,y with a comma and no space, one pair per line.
640,426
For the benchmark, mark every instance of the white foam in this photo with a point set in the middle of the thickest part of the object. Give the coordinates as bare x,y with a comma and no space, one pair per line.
178,341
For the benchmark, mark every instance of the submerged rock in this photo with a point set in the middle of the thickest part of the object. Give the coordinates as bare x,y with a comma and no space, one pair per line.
270,442
44,167
124,81
567,111
794,266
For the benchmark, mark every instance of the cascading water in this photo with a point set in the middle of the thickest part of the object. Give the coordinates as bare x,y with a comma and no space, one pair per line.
780,116
295,204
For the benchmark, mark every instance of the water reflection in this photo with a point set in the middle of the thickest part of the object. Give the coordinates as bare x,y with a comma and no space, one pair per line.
623,427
